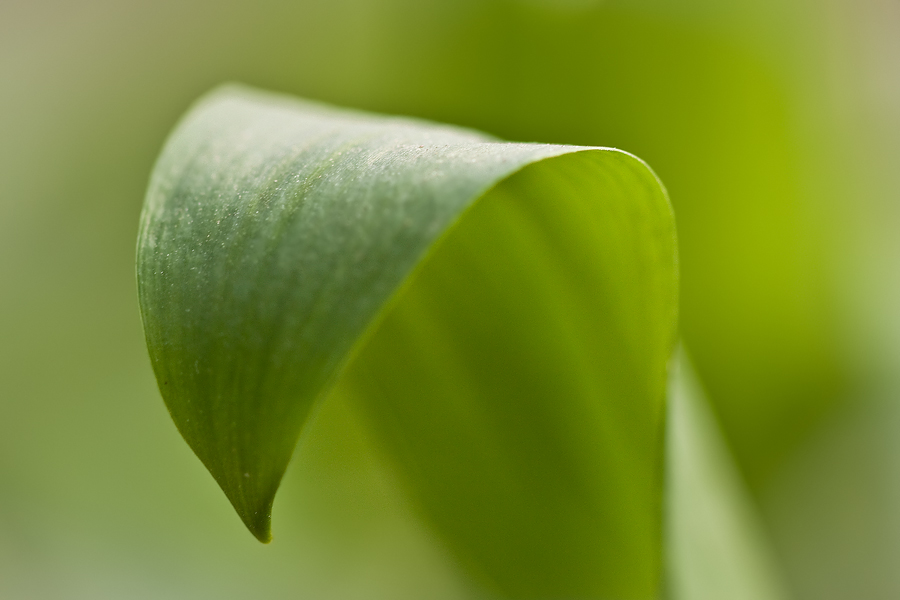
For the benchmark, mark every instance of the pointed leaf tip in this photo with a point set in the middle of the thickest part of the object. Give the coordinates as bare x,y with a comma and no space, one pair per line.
260,528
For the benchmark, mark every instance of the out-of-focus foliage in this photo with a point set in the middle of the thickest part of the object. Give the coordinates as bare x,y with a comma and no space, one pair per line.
765,120
715,544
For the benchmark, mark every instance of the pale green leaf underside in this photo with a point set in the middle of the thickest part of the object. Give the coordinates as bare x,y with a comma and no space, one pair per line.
715,542
501,313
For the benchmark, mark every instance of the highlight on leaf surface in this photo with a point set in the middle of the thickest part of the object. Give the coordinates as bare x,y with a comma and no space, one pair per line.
501,313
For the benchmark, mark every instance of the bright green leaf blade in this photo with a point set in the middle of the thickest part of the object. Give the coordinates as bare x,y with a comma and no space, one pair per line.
716,546
274,246
519,379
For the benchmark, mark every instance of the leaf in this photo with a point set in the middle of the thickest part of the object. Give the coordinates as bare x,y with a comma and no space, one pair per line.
501,313
716,546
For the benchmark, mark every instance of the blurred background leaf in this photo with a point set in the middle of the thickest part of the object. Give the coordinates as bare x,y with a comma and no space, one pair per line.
716,543
775,125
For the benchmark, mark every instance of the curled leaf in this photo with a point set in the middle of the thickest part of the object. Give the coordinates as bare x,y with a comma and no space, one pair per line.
501,313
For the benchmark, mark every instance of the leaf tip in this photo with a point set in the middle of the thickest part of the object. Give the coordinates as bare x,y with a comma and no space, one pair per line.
259,523
254,509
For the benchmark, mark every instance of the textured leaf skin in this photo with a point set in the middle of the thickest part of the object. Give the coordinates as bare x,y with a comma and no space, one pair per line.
286,251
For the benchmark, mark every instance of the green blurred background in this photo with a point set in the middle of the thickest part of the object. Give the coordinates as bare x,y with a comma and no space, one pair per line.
774,125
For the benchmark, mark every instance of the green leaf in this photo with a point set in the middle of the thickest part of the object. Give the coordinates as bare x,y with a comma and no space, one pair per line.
501,313
715,542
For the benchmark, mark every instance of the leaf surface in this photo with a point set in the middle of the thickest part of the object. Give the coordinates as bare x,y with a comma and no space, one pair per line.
501,313
715,541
